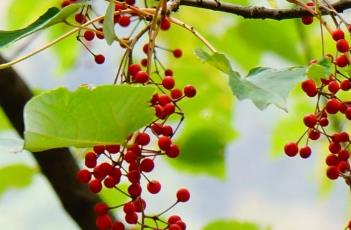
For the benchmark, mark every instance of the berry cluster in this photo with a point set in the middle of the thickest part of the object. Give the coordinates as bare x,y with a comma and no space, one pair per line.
107,166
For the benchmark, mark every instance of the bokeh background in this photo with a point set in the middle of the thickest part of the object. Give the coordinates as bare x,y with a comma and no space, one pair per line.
244,177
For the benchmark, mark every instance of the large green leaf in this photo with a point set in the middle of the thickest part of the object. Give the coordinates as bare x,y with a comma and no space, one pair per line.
86,117
263,86
109,25
51,17
231,225
321,69
15,176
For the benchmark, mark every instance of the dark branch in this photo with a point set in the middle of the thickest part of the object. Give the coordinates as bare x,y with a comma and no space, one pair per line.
58,165
256,12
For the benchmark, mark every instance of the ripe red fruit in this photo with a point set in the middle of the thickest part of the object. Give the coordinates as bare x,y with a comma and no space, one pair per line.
165,24
169,108
143,62
345,85
110,182
183,195
130,156
344,155
313,134
309,87
310,120
133,176
101,208
344,137
164,142
101,34
80,18
95,186
129,207
333,172
167,130
343,166
177,53
332,106
99,59
176,94
65,3
173,151
146,48
131,218
154,186
142,139
333,87
89,35
348,113
139,204
133,69
342,45
160,112
324,121
103,222
84,176
168,72
164,99
118,226
174,227
113,148
147,165
338,34
98,149
341,61
305,152
157,128
291,149
124,20
331,160
141,77
134,190
189,91
181,224
307,20
334,147
168,82
173,219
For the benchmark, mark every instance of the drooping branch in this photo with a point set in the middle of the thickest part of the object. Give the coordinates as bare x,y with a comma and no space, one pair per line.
256,12
57,165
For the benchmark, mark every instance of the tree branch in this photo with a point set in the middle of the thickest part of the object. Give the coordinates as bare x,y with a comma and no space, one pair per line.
58,165
255,12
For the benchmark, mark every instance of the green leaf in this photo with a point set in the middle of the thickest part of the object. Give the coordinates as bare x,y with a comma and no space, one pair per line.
231,225
319,70
4,121
16,176
113,197
109,25
51,17
86,117
217,60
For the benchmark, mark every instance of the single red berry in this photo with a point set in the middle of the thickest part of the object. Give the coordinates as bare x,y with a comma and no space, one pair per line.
103,222
139,204
124,20
110,182
313,134
176,94
336,137
157,128
65,3
84,176
345,85
167,130
168,82
118,226
95,186
338,34
344,137
142,139
101,208
183,195
174,227
143,62
141,77
113,148
307,20
324,121
189,91
343,166
181,224
334,147
305,152
169,108
133,176
333,172
89,35
341,61
177,53
333,87
310,120
100,35
332,160
134,190
147,165
164,99
80,18
160,112
168,72
146,48
348,113
291,149
133,69
164,142
98,149
165,24
131,218
154,187
332,106
344,155
116,174
309,87
130,156
129,207
173,219
173,151
342,46
90,163
99,59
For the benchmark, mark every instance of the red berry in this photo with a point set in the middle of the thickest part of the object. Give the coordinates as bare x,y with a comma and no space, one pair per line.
341,61
154,186
147,165
95,186
348,113
124,20
103,222
99,59
141,77
309,87
305,152
189,91
110,182
164,142
310,120
164,99
331,160
176,94
146,48
167,130
343,166
80,18
173,151
157,128
307,20
183,195
113,148
291,149
314,134
177,53
89,35
65,3
131,218
324,121
342,45
99,149
174,227
101,34
344,137
165,24
142,139
168,82
169,108
84,176
333,87
334,147
116,174
173,219
181,224
338,34
134,190
344,155
133,176
333,106
139,204
130,156
129,207
143,62
168,72
133,69
118,226
345,85
333,172
101,209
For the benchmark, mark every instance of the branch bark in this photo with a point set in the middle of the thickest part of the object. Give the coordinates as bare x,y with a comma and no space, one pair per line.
256,12
58,165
